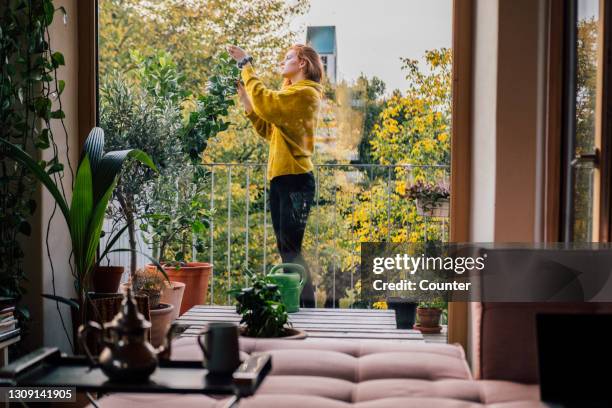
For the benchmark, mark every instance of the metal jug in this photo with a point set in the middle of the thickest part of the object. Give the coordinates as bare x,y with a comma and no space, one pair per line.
127,355
290,284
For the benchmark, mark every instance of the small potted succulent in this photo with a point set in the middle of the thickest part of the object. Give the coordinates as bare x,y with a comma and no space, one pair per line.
152,283
429,313
263,313
431,199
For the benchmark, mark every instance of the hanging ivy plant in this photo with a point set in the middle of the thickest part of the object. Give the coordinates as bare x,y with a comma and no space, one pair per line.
29,102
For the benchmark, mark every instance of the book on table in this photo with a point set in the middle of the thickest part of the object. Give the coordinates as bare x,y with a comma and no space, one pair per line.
9,334
8,325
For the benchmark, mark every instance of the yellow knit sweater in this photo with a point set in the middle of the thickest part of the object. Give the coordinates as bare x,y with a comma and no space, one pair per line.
287,119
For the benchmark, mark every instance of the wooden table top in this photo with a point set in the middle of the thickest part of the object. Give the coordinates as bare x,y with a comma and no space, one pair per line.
363,324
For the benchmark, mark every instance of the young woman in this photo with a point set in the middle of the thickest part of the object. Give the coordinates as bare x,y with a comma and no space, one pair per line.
287,119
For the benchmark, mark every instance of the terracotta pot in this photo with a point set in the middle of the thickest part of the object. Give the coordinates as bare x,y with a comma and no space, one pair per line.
290,334
195,276
105,279
161,318
429,320
173,294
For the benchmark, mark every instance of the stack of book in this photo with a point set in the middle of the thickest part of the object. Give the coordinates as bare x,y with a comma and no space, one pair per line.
8,322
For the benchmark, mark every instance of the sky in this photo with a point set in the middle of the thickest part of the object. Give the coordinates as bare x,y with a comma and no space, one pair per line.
373,35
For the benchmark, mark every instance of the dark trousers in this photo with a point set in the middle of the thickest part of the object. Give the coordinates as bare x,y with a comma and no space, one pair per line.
291,197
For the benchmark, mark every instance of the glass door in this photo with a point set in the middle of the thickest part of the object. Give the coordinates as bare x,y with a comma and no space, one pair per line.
582,130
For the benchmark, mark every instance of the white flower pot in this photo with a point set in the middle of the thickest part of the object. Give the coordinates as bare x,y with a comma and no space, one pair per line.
440,208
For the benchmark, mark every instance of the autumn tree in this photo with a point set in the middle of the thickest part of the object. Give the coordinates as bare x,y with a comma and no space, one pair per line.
194,31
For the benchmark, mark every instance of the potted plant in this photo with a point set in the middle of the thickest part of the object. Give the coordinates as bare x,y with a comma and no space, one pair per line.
429,313
405,311
94,183
263,313
431,199
151,283
147,112
176,221
171,292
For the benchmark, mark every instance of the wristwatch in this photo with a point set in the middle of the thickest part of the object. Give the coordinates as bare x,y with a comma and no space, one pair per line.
244,61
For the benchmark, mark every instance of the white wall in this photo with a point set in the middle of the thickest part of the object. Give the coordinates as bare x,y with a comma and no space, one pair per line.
484,118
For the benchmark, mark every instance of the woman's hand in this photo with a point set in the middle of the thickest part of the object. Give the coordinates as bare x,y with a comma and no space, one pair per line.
244,98
236,53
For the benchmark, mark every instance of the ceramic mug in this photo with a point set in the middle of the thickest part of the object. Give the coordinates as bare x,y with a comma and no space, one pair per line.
219,344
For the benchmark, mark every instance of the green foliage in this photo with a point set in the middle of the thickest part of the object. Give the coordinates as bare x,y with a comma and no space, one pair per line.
371,92
437,303
194,32
207,120
260,306
95,181
28,89
152,111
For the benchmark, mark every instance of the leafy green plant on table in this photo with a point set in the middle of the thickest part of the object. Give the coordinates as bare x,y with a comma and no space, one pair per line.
30,99
261,308
94,183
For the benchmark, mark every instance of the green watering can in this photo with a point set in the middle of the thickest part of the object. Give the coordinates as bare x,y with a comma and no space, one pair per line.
289,284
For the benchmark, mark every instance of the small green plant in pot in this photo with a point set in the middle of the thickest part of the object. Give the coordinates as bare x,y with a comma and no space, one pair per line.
263,313
429,313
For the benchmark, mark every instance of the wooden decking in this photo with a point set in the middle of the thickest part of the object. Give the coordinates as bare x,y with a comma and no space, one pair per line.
319,323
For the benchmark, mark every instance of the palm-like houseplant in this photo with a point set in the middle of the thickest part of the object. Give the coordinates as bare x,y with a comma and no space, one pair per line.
94,183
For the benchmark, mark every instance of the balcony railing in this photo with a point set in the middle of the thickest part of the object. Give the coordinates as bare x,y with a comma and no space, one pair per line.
353,203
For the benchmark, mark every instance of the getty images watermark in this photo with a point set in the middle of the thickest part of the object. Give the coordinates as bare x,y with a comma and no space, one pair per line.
486,272
411,265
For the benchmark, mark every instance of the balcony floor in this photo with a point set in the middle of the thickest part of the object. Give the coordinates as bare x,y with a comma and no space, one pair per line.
356,324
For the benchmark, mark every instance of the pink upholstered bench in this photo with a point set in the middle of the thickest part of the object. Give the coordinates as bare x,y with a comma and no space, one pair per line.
353,374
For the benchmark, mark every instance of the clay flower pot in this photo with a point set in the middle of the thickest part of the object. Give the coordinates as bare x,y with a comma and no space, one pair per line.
195,276
429,319
105,279
173,294
161,318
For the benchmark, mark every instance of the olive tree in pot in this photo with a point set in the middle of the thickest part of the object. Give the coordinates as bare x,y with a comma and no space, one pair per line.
263,313
171,207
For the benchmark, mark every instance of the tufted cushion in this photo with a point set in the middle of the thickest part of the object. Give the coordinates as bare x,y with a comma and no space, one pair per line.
353,374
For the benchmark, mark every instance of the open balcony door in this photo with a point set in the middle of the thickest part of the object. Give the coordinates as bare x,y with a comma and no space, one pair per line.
461,112
586,142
